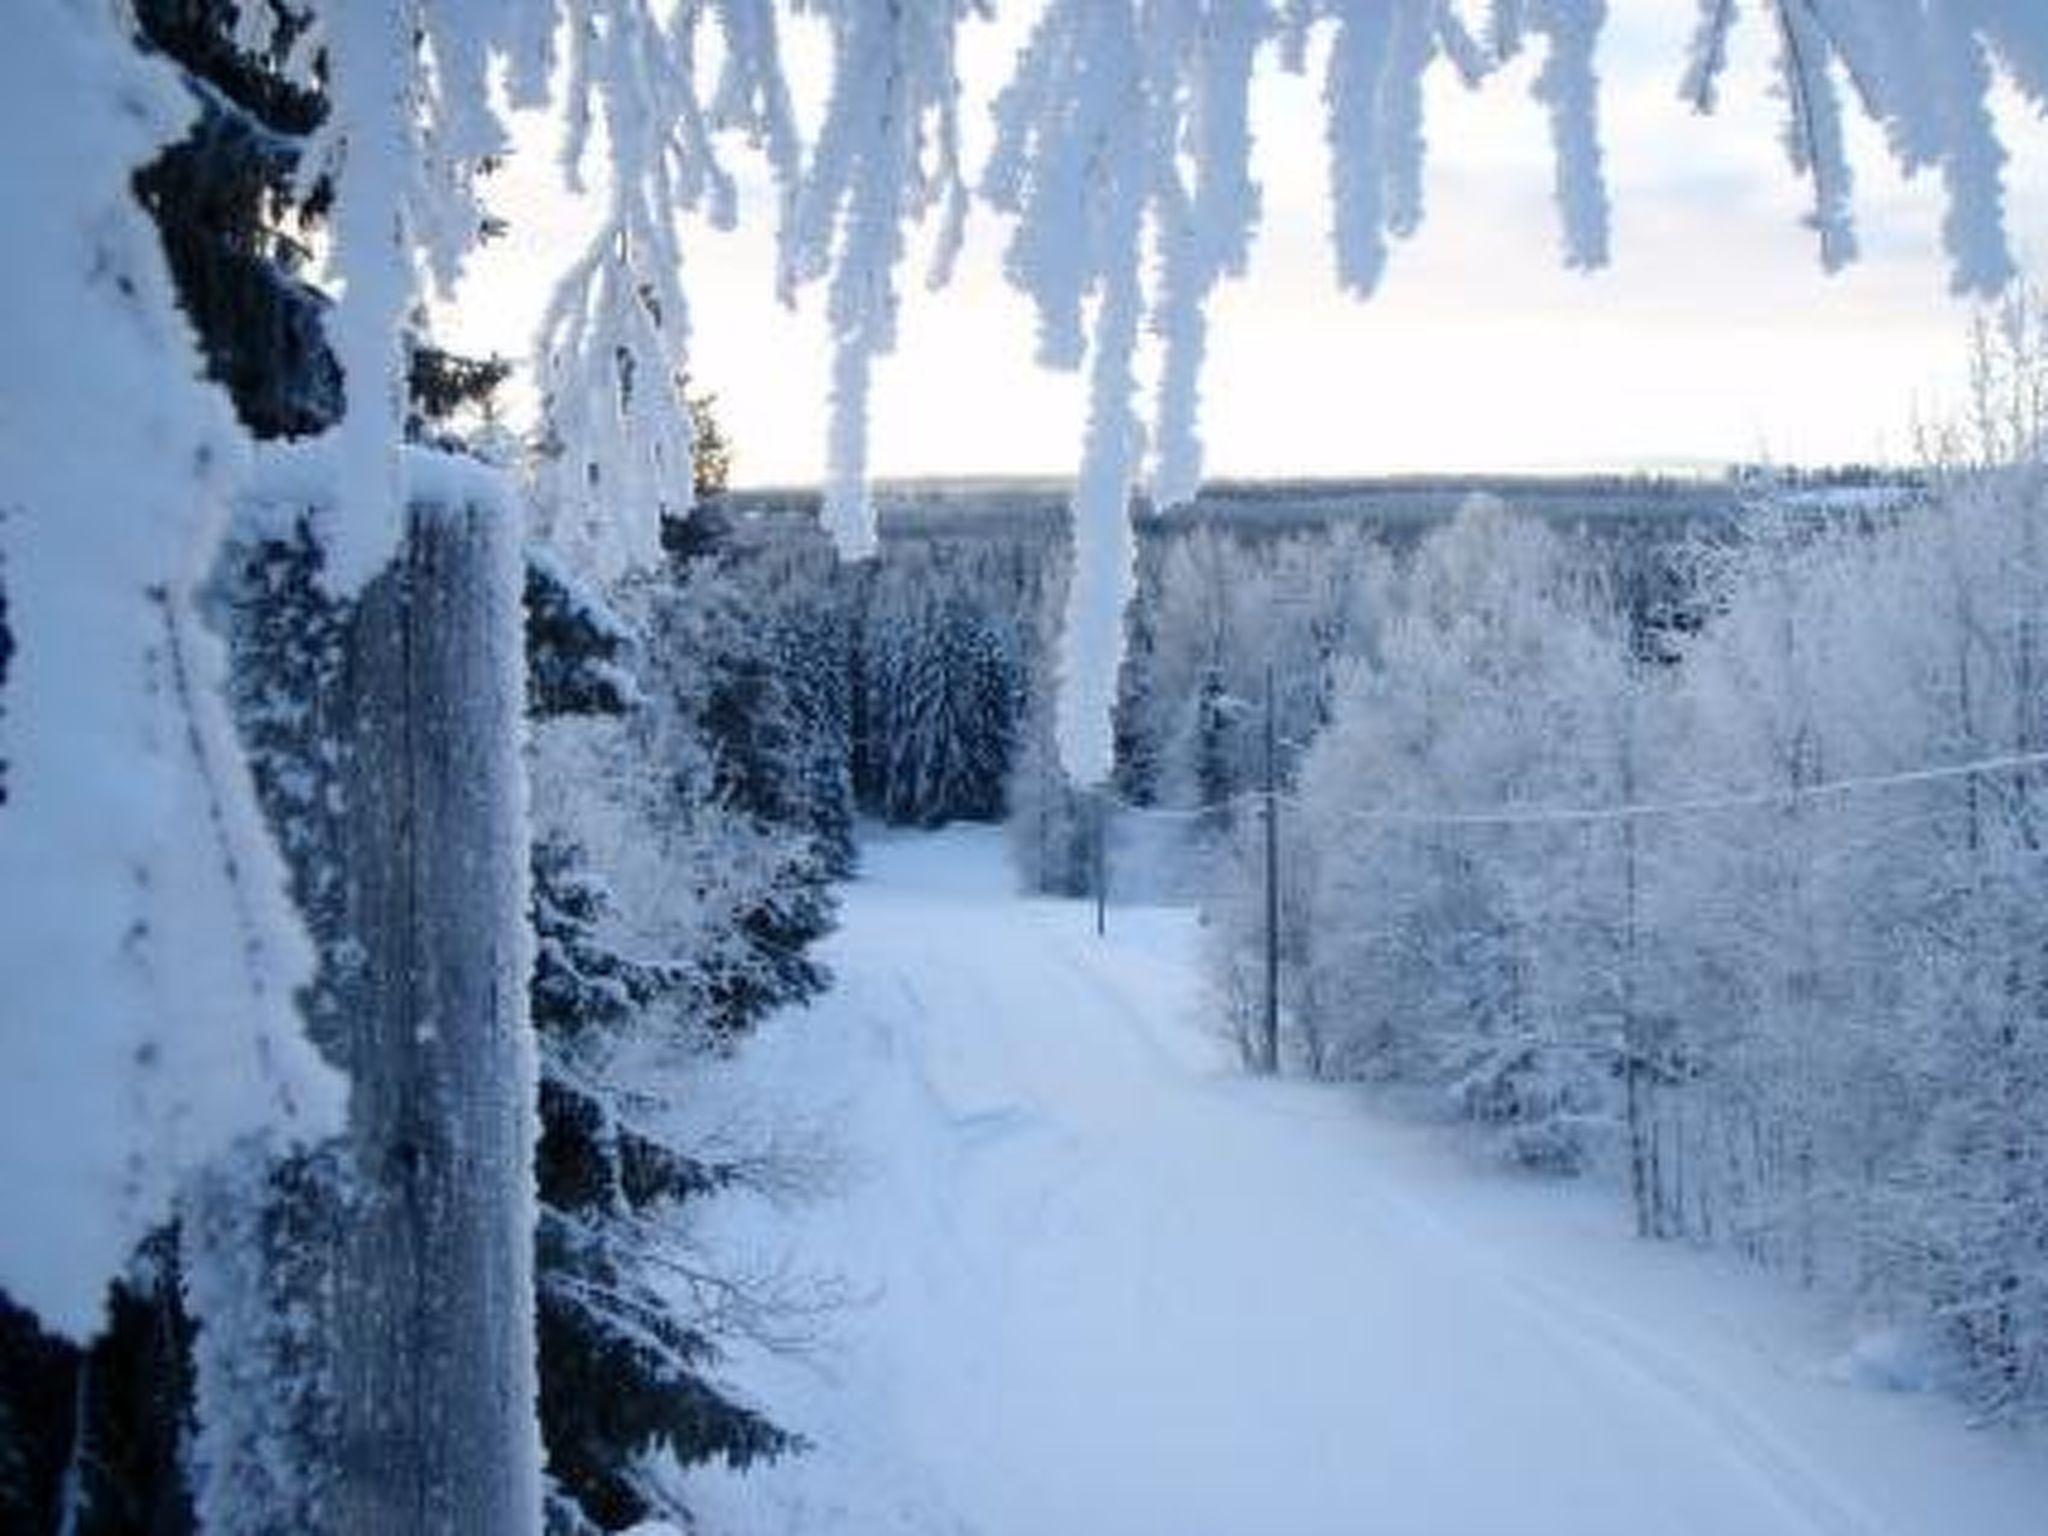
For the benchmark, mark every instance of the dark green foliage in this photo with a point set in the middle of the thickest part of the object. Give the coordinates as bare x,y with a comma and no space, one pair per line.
576,646
712,470
618,1383
442,384
138,1405
812,643
1216,717
102,1430
620,1374
222,202
947,639
791,911
579,982
944,689
799,604
734,719
38,1395
747,747
750,722
904,679
198,35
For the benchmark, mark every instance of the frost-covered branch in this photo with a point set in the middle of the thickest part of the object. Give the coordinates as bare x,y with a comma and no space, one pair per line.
1813,131
610,351
409,126
888,153
1121,118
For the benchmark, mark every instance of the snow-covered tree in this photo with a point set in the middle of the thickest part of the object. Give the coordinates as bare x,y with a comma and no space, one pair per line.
1452,955
943,651
623,1369
1218,606
678,883
1049,819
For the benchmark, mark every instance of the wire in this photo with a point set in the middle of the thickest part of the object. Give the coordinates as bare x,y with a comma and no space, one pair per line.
1173,813
1703,805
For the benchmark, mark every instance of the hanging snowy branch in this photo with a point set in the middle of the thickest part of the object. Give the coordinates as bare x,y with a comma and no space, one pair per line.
612,349
1813,132
1922,73
410,124
368,146
1119,118
1362,66
1070,165
1123,124
887,155
1200,56
1570,88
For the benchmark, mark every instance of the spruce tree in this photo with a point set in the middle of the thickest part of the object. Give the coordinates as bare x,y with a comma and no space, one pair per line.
695,696
621,1376
101,1436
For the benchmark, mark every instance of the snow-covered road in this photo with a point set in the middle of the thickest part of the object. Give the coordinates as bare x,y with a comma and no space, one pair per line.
1112,1288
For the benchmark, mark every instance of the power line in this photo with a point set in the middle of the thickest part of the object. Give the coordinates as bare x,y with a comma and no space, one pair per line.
1186,813
1521,815
1701,805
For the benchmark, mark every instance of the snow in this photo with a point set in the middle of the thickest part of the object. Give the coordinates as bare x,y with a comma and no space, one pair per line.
288,475
1112,1286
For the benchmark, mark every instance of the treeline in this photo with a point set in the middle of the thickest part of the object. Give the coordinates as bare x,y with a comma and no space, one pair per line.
1720,911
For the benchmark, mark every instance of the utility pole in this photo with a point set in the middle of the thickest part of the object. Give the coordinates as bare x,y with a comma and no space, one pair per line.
1272,1040
1042,874
1101,860
1633,1044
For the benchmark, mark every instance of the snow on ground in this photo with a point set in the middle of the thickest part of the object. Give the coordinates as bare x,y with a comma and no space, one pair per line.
1110,1287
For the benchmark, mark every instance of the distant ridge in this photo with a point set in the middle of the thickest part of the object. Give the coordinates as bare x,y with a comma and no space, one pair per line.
1664,501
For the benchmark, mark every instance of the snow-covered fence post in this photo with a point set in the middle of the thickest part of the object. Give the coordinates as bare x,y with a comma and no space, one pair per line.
436,1367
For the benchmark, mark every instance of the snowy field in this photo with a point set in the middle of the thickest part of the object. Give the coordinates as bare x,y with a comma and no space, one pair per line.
1109,1287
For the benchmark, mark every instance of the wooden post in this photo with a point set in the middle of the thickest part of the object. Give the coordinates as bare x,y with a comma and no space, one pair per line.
436,1373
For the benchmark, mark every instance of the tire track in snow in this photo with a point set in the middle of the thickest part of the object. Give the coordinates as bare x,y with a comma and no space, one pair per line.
1818,1501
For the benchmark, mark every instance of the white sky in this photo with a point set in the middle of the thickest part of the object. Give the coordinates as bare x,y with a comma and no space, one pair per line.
1713,336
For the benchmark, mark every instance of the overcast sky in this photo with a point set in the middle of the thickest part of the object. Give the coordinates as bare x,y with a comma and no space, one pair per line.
1714,336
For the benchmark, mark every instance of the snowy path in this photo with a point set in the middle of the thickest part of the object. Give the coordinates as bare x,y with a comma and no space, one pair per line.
1117,1290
